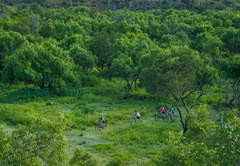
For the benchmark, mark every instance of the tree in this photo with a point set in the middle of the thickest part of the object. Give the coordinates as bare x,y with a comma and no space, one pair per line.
83,58
43,66
9,42
102,48
37,9
177,73
47,30
231,68
42,142
107,3
21,25
128,52
219,146
35,23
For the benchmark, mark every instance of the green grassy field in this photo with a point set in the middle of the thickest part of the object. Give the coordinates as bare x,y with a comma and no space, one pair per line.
133,143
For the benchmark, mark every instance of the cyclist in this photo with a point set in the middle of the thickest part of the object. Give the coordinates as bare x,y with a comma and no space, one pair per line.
163,110
171,111
102,120
136,115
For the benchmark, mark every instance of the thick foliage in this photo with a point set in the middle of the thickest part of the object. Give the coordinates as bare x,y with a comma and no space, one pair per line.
40,143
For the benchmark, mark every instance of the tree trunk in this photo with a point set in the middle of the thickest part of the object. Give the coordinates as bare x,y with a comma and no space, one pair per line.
184,103
184,125
236,95
135,82
235,91
41,85
129,86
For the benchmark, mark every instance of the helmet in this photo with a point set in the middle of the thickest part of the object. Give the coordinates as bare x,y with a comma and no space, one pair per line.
135,110
161,105
170,106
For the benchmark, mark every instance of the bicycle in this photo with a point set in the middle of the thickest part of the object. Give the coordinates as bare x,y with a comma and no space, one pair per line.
99,126
174,117
134,121
160,116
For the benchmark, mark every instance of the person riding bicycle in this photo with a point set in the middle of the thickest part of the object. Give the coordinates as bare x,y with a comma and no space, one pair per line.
102,120
163,110
171,111
136,115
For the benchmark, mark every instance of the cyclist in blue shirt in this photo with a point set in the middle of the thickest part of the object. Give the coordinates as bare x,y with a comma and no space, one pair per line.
171,111
136,115
102,120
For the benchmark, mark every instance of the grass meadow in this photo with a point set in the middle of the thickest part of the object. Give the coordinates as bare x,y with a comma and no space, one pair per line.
137,143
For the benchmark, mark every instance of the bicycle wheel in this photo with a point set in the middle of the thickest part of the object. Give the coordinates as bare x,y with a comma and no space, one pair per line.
165,118
174,117
132,122
140,121
157,117
97,127
105,126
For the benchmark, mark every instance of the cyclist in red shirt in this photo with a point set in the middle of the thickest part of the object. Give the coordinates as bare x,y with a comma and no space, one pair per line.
163,110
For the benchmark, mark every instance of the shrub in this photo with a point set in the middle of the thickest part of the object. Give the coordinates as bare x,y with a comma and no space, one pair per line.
89,80
106,148
82,142
75,91
116,161
82,103
11,3
1,85
29,93
90,98
88,109
198,124
82,158
12,114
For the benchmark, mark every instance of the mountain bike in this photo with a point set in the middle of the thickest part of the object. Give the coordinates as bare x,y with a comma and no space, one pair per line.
135,120
168,117
99,126
160,116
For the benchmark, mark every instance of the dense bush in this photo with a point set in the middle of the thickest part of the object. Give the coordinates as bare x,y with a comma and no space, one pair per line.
31,94
82,158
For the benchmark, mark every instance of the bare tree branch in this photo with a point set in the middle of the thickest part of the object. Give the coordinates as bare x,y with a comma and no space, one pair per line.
201,92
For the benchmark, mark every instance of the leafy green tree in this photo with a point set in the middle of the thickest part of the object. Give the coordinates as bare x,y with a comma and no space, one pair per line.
107,3
4,24
128,52
35,22
234,43
231,67
102,48
42,142
226,139
177,73
21,25
47,30
37,9
44,67
199,125
83,58
4,9
219,146
9,42
175,151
